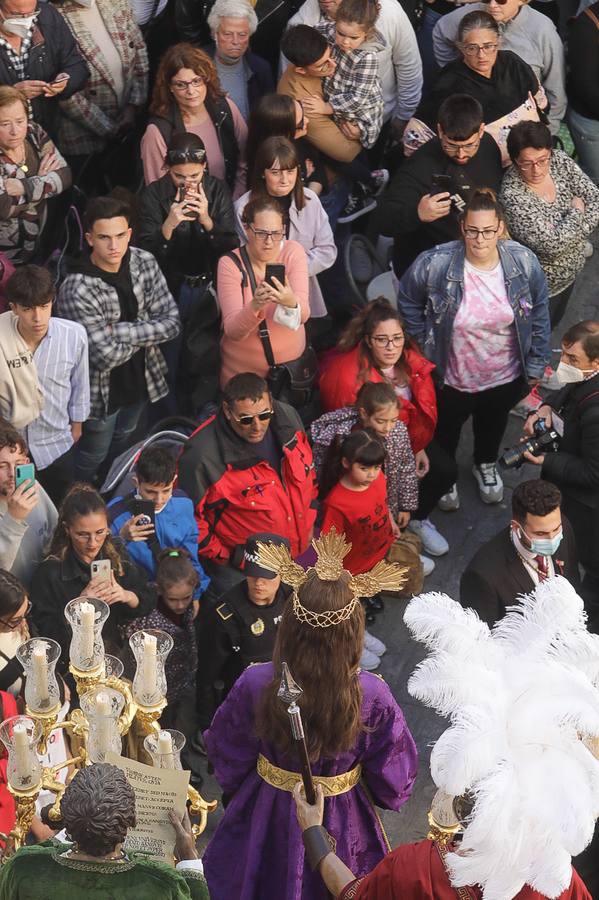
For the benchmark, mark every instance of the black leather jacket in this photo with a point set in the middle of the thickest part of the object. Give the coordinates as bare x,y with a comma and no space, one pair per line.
191,250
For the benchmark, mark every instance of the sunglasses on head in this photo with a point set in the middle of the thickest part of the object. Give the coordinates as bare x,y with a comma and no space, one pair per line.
176,157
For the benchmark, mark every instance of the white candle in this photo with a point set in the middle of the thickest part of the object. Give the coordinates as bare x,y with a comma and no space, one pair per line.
103,721
148,666
87,618
21,751
165,748
39,672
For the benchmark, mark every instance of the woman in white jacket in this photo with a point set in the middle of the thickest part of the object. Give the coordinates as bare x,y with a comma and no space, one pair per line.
277,173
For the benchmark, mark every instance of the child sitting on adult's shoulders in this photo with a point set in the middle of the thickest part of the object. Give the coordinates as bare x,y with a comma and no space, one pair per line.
155,515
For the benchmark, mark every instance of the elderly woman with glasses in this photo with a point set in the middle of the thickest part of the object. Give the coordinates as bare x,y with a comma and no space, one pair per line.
253,299
504,84
83,536
188,97
550,206
479,309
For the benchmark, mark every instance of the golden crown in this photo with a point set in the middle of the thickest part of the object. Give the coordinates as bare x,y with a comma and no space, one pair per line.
331,549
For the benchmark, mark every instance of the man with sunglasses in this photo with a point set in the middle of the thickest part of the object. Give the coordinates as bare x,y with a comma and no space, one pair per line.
523,30
420,209
248,469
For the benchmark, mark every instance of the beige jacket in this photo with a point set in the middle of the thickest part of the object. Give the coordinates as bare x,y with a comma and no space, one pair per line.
21,398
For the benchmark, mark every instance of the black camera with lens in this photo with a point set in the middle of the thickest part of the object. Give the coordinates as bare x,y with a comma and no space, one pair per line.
544,440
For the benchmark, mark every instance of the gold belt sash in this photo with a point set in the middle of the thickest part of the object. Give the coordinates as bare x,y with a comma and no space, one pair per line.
332,785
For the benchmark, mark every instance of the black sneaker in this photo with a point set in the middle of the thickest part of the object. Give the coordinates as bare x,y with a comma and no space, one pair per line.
358,204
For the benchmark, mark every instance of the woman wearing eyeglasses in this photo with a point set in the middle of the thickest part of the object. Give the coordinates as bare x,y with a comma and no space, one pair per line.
504,84
277,174
375,348
479,309
188,97
280,303
82,536
550,206
15,608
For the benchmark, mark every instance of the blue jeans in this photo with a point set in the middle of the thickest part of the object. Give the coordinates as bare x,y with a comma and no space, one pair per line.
333,202
585,134
424,36
105,439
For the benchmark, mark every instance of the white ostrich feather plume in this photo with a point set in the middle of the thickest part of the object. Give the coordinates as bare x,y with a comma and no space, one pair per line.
520,698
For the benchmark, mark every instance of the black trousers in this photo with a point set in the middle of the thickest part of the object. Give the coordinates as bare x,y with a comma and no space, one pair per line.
558,304
442,474
489,410
58,477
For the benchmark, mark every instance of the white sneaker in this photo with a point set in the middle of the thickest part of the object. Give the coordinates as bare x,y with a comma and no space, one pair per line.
373,645
369,661
490,485
428,565
450,501
432,541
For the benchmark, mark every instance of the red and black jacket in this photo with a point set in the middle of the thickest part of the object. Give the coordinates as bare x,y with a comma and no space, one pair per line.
235,493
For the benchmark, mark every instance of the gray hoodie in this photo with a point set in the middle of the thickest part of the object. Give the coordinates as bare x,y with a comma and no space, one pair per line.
23,544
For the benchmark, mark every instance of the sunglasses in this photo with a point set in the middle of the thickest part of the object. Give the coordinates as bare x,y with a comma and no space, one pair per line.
498,2
246,421
177,157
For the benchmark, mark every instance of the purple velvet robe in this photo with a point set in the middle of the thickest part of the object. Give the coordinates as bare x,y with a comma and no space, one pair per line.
256,852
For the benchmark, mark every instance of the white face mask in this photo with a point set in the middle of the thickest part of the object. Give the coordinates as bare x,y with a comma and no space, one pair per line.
567,374
19,26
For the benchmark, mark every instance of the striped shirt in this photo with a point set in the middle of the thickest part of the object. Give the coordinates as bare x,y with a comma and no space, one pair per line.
61,360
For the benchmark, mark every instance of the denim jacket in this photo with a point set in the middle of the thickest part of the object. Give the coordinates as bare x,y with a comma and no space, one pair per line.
431,291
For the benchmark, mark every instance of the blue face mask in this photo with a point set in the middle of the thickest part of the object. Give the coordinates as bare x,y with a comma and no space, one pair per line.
546,546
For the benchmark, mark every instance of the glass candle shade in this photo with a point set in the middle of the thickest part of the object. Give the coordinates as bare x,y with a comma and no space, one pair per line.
39,656
102,707
150,648
86,616
165,748
20,735
113,667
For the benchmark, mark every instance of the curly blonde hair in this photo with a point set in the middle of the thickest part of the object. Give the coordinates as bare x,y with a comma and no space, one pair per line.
182,56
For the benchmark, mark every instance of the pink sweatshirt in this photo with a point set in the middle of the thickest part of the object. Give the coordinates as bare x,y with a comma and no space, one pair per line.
153,150
241,348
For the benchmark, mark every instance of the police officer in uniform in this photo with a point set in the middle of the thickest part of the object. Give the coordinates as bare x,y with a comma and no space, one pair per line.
241,629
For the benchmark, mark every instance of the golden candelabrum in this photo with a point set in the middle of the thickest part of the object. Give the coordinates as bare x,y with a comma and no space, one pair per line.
115,714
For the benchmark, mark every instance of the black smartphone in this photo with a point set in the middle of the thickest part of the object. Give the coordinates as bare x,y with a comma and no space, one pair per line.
275,270
144,510
440,184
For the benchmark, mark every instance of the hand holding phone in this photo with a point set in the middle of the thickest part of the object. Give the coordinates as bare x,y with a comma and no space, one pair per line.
101,569
274,270
24,473
440,184
26,493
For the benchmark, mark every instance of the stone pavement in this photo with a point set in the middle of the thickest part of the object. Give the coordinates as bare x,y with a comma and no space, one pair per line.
466,529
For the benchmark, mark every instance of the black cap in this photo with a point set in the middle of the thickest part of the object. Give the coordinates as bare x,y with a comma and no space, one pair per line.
250,565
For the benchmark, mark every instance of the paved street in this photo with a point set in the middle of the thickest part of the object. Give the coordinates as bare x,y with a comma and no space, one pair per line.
466,529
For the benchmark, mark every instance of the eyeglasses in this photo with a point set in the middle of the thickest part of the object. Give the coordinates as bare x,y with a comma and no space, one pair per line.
88,536
185,85
487,233
246,421
381,340
529,164
177,157
14,623
498,2
476,49
455,148
264,236
324,65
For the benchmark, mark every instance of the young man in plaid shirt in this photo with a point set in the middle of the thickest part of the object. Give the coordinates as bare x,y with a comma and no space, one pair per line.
120,296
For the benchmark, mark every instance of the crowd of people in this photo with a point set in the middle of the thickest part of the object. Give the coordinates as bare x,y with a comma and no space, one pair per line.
190,372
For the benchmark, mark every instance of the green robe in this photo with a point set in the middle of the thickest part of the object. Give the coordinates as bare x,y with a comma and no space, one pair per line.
43,873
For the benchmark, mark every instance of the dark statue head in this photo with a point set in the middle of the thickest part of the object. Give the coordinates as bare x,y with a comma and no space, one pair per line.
97,809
